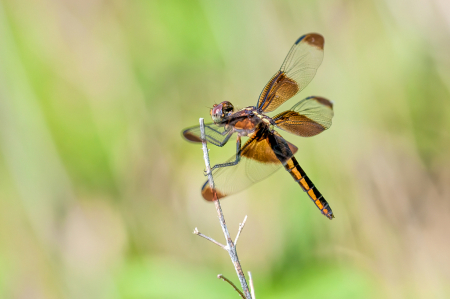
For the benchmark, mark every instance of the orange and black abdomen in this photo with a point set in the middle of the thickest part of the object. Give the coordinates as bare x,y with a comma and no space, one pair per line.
300,176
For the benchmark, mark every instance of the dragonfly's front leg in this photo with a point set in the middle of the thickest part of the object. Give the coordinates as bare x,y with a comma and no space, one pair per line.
228,132
238,156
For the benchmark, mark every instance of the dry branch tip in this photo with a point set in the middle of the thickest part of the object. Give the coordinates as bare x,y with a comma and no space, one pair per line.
220,276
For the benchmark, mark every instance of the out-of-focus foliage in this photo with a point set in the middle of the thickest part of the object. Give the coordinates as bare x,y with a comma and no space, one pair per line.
99,194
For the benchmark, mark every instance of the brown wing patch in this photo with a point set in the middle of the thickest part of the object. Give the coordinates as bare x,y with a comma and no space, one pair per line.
323,101
259,150
308,117
315,40
191,137
277,91
267,89
298,124
208,194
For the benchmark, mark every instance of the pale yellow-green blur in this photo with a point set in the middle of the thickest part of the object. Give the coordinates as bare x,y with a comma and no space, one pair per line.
99,194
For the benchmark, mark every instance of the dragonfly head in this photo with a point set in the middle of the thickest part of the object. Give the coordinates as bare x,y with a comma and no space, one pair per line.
220,112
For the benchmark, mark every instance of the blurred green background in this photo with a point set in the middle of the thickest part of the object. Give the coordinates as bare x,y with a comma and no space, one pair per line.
99,194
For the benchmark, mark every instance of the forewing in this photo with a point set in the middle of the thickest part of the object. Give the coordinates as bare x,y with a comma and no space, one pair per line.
214,134
308,117
297,70
258,161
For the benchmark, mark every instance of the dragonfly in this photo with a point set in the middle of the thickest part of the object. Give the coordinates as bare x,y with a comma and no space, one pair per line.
266,150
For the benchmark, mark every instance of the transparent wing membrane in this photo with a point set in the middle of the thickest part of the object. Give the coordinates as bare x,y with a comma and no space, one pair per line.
308,117
297,70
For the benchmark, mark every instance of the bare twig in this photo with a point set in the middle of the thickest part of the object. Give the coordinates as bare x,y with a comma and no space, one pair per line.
241,226
231,248
196,232
252,288
220,276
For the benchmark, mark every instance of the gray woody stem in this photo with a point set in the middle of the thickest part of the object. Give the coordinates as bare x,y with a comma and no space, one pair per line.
230,247
241,226
252,288
196,232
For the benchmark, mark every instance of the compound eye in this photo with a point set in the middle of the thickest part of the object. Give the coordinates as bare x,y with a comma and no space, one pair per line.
228,108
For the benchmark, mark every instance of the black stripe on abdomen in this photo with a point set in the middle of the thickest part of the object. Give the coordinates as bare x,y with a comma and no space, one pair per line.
302,179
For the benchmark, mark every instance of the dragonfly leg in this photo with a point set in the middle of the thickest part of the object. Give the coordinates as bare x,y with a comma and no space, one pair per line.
238,157
229,132
216,142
